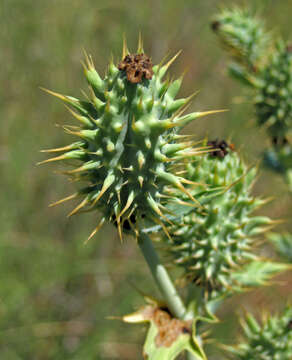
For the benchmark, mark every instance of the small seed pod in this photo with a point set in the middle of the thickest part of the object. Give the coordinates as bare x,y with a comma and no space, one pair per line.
213,241
128,143
242,35
271,340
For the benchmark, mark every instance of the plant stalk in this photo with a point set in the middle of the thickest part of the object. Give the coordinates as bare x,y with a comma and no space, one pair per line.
161,277
163,281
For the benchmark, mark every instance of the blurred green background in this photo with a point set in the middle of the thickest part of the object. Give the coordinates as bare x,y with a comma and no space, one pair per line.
55,292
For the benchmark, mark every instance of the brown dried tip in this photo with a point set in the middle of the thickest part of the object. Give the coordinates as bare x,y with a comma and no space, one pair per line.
289,48
221,148
136,66
215,25
279,141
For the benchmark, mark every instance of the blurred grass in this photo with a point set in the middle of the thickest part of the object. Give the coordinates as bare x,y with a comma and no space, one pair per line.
55,292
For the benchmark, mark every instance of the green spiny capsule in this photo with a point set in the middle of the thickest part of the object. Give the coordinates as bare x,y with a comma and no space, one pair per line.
242,34
128,125
271,340
211,242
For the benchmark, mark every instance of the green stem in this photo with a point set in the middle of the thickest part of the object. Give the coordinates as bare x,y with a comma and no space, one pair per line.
190,356
163,281
161,277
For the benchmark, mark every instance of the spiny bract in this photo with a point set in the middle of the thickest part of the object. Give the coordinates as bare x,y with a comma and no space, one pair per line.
129,140
212,242
270,341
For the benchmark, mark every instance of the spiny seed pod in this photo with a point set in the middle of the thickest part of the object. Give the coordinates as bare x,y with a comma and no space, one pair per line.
128,140
273,102
211,242
243,35
270,341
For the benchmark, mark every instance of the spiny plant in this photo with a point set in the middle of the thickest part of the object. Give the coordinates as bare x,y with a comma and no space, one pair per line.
132,158
129,143
267,70
270,340
265,65
243,36
214,242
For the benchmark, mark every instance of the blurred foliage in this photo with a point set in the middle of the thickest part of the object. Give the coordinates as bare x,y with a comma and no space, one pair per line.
56,292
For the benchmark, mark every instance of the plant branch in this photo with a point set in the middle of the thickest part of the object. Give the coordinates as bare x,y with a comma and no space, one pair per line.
161,277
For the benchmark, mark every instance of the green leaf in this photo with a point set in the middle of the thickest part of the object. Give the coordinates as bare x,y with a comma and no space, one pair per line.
183,342
258,273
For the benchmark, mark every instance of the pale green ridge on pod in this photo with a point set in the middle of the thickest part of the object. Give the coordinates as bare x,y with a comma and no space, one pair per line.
273,102
212,242
271,340
129,141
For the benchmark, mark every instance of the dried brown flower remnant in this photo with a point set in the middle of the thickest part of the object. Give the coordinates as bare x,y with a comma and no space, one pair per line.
215,25
220,148
136,66
289,48
169,328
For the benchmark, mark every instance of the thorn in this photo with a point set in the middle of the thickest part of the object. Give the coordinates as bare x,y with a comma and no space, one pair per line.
140,49
160,223
211,112
95,230
167,65
134,124
77,145
119,228
85,95
87,166
184,190
189,182
118,192
53,93
89,60
182,172
128,168
106,184
80,206
85,69
111,60
141,160
128,204
87,63
57,158
154,206
159,66
125,48
132,225
168,212
182,109
141,180
181,202
70,197
82,119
